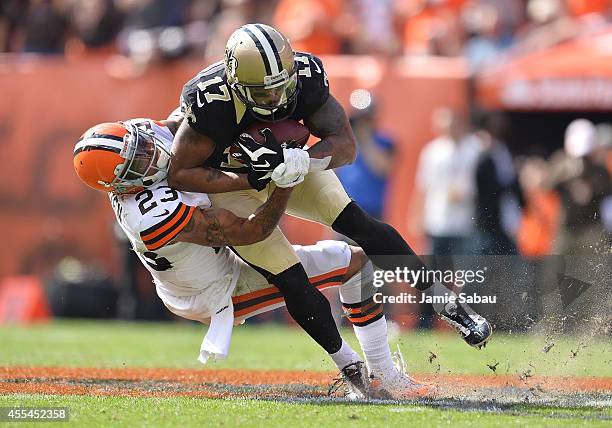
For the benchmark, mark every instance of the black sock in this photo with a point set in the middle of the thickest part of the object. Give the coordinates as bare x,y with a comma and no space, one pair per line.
308,307
380,241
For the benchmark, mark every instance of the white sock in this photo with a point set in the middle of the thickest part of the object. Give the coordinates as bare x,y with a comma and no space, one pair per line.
345,356
375,345
372,337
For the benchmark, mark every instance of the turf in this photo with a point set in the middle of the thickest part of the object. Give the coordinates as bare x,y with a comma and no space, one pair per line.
121,344
181,411
118,344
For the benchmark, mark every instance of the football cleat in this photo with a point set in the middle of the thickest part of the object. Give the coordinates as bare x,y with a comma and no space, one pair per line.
355,379
474,329
398,385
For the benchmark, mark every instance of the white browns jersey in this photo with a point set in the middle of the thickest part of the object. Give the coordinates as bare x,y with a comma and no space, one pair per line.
152,219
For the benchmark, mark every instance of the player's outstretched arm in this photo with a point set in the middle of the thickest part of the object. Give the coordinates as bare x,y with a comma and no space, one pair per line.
217,227
337,146
190,150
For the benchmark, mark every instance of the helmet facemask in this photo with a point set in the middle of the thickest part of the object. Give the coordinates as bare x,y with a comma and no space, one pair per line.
273,100
146,161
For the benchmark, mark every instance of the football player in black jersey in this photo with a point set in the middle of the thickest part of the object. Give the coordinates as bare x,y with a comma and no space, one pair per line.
262,79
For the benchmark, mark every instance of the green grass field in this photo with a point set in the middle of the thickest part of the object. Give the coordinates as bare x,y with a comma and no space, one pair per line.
119,344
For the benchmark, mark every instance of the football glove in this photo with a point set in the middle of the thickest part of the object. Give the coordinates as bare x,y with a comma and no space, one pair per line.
282,180
260,157
293,170
258,179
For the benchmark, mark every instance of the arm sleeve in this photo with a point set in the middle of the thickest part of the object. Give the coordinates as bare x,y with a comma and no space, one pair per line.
164,215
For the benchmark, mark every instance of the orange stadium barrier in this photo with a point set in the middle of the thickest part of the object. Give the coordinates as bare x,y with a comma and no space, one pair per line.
47,213
23,299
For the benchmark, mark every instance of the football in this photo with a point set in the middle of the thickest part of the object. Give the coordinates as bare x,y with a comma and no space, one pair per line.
284,131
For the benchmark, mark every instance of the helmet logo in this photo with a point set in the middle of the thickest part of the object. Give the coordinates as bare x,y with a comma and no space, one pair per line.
231,64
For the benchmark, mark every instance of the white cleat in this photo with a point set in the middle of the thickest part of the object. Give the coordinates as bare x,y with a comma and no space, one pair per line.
398,385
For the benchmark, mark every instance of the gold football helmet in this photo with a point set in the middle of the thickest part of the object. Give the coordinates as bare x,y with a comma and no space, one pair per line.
262,72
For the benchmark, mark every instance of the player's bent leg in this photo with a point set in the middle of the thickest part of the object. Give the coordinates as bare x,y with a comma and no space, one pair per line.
186,307
379,240
327,263
276,259
388,250
388,378
320,198
275,253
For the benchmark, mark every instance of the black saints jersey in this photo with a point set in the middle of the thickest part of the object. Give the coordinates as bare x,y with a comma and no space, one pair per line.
211,108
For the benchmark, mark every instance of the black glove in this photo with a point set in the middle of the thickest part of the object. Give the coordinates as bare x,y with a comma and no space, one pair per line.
259,179
261,157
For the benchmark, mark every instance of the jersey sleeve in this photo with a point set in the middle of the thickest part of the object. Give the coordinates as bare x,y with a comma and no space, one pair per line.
190,108
315,86
205,100
164,214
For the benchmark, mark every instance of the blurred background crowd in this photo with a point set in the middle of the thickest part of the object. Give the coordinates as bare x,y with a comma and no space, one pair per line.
455,175
148,30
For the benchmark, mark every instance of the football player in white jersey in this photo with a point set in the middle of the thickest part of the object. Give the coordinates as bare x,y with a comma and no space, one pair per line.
186,244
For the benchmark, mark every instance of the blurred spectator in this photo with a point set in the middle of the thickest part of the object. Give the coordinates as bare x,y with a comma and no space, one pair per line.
232,15
311,25
603,156
586,7
499,195
46,26
540,220
12,17
366,179
551,22
154,13
375,31
153,29
445,193
603,150
582,184
486,37
96,23
433,27
445,184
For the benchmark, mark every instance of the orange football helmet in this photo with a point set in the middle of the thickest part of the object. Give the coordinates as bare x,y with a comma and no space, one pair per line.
120,157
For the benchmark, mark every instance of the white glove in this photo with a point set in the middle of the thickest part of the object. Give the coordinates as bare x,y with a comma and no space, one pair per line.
293,169
285,180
